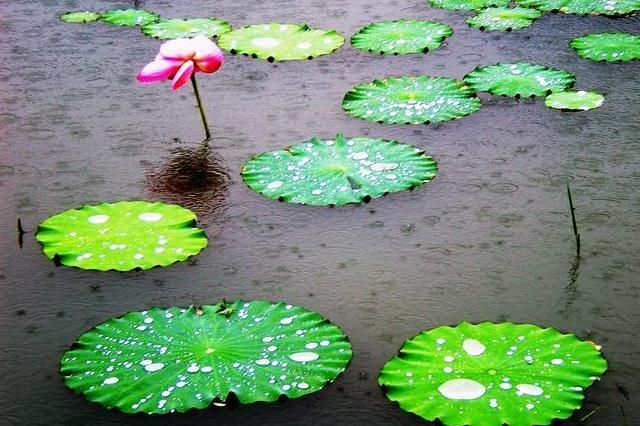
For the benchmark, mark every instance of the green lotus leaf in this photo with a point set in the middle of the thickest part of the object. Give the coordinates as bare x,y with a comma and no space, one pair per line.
80,17
172,360
123,236
129,17
519,79
401,37
503,18
574,100
340,171
411,100
281,42
610,47
584,7
492,374
186,28
466,5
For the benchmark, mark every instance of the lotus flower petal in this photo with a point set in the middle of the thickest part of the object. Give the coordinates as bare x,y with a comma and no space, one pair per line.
158,70
211,63
180,48
183,75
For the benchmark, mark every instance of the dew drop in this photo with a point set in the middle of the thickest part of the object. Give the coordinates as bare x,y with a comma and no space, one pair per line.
150,217
263,362
286,321
154,367
473,347
461,389
527,389
98,219
111,380
557,361
275,185
304,356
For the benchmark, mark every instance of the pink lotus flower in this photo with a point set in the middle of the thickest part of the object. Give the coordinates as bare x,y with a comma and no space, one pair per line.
179,59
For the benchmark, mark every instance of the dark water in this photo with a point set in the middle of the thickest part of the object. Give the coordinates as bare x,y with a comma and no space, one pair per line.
488,239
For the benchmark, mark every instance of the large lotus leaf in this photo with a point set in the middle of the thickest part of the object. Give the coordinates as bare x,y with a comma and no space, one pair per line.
281,42
465,5
503,18
401,37
166,360
492,374
340,171
610,47
574,100
121,236
411,100
186,28
81,17
129,17
584,7
520,79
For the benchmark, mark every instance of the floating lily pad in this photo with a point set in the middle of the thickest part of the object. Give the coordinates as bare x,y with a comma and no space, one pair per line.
167,360
520,79
503,18
186,28
465,5
610,47
411,100
584,7
81,17
281,42
340,171
121,236
492,374
129,17
573,100
401,37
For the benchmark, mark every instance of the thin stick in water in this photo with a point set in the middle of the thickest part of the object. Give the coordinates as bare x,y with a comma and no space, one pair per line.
201,107
573,220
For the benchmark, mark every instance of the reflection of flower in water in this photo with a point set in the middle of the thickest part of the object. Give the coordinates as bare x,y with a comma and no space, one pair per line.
195,178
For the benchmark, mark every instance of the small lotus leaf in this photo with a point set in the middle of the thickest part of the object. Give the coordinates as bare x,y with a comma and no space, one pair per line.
129,17
573,100
186,28
122,236
171,360
401,37
340,171
519,79
610,47
503,18
411,100
281,42
584,7
80,17
492,374
466,5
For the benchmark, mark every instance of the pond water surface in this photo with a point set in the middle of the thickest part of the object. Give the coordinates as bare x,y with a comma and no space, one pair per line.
488,240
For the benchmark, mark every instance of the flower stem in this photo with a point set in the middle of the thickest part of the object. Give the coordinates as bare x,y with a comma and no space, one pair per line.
207,133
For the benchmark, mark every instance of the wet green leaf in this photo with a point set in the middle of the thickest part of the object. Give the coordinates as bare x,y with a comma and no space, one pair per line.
186,28
519,79
122,236
465,5
129,17
492,374
80,17
610,47
401,37
503,18
281,42
165,360
340,171
574,100
584,7
411,100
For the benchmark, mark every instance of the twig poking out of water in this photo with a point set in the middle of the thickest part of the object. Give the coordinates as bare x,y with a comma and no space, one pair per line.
573,220
591,413
21,233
